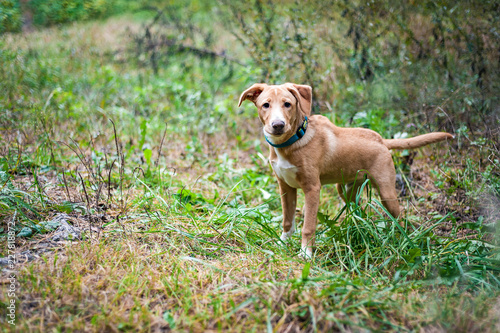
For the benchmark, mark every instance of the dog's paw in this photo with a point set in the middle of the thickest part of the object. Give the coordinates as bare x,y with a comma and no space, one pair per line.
286,235
306,253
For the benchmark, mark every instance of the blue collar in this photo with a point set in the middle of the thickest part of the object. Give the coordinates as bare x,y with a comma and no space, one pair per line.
301,131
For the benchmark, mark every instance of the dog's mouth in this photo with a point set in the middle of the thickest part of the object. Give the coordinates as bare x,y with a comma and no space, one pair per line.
275,133
275,136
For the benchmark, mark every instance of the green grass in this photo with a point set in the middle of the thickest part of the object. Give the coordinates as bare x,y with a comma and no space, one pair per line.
174,180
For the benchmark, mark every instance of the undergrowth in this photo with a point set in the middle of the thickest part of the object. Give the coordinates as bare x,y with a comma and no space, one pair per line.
181,214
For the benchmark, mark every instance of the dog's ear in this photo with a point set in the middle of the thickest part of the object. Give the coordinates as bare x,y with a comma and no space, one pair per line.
303,94
252,93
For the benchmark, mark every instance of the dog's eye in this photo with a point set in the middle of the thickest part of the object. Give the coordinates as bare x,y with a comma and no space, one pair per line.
287,105
265,105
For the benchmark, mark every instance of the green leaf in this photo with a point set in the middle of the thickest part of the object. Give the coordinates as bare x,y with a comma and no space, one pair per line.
412,254
144,127
306,270
65,207
147,155
50,225
167,316
25,232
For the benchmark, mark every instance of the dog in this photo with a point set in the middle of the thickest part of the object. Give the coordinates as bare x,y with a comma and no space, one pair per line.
307,151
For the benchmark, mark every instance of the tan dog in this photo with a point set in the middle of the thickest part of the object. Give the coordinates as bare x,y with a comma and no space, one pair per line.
309,152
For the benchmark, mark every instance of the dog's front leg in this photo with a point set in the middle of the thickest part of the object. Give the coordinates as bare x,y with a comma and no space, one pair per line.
288,204
311,213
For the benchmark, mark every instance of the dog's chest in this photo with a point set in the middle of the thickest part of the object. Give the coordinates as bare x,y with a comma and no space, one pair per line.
285,171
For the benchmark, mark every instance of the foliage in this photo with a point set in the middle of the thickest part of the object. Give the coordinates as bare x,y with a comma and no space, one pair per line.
10,16
44,13
55,12
374,52
14,200
359,57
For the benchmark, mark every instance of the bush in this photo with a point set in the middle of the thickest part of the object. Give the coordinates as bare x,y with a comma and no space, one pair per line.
436,60
47,13
51,12
10,16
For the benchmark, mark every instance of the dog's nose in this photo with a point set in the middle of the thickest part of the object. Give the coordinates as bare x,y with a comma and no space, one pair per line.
278,125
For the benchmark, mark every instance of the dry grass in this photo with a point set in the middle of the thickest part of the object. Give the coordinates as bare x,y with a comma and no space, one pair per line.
131,282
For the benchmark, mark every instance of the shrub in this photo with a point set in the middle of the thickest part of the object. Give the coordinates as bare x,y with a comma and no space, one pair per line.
10,16
47,13
437,60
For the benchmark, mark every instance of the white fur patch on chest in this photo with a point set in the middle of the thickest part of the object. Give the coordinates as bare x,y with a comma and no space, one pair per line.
285,171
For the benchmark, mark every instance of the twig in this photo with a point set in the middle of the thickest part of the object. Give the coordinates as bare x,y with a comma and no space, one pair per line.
66,185
122,163
109,181
161,145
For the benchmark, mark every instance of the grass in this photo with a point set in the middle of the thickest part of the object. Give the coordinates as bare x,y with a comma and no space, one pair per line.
182,217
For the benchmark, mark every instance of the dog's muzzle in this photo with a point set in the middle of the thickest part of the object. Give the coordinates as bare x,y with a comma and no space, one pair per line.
278,127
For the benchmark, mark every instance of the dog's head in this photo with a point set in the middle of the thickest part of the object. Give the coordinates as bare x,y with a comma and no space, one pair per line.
282,108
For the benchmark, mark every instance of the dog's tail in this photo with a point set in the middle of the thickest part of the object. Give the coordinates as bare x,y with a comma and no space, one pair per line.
417,141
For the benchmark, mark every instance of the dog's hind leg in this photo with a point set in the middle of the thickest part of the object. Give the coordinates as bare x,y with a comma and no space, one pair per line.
383,175
386,187
389,199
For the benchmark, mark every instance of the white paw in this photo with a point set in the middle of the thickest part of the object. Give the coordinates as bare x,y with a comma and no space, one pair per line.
306,252
286,235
